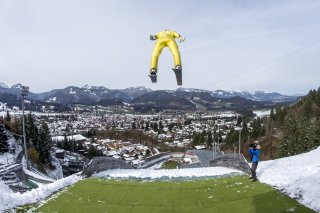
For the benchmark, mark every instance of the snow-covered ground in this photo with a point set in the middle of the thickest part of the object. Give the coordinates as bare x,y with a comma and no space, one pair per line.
9,199
171,173
7,158
76,137
297,176
34,173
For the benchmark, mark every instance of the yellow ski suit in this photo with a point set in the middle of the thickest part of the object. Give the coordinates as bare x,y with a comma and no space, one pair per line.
165,38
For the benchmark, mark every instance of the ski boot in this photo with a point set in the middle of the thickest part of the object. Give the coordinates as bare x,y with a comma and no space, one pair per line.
178,71
153,75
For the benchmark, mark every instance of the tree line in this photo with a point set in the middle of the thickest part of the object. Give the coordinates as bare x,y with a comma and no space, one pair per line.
38,138
300,124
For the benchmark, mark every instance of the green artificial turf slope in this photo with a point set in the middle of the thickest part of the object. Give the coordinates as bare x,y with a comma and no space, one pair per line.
232,194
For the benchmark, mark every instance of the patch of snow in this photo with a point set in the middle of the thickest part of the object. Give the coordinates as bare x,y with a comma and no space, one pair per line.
126,104
200,147
76,137
7,157
17,86
86,87
262,113
91,92
171,173
34,173
3,85
10,199
52,99
72,92
297,176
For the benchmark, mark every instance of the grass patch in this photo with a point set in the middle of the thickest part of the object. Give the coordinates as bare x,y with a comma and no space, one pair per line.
170,164
232,194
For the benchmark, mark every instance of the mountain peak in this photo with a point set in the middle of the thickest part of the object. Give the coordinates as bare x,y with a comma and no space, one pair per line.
3,85
86,87
17,86
89,87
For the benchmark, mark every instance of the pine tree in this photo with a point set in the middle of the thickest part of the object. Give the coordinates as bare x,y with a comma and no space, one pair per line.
155,127
80,146
239,121
244,131
8,117
161,125
60,144
44,144
3,139
210,139
147,127
215,135
92,152
32,132
232,136
17,127
272,115
196,139
66,143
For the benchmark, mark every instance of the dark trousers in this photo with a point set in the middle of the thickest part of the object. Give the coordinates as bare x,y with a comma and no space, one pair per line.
253,170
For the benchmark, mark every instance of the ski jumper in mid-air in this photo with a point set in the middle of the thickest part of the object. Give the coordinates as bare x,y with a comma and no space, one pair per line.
164,39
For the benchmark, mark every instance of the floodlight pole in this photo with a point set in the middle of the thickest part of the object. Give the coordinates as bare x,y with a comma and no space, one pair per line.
239,139
24,93
214,148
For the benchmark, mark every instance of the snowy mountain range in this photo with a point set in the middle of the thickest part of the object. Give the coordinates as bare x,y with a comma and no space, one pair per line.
179,98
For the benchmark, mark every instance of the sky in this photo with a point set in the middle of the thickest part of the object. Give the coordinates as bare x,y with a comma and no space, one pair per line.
267,45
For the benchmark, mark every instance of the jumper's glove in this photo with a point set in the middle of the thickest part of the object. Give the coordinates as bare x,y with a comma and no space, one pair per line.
181,39
153,37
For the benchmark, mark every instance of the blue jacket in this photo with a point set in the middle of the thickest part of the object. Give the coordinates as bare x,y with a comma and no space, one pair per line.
254,153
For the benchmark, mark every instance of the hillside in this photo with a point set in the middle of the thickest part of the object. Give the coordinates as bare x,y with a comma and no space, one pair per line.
300,125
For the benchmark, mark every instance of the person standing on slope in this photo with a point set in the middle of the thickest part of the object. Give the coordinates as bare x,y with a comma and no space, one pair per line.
254,152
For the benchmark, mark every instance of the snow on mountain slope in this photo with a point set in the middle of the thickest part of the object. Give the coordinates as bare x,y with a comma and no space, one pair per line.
3,85
297,176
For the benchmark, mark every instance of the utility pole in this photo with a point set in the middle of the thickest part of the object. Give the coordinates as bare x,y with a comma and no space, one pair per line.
24,93
239,140
214,147
270,138
213,154
239,129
